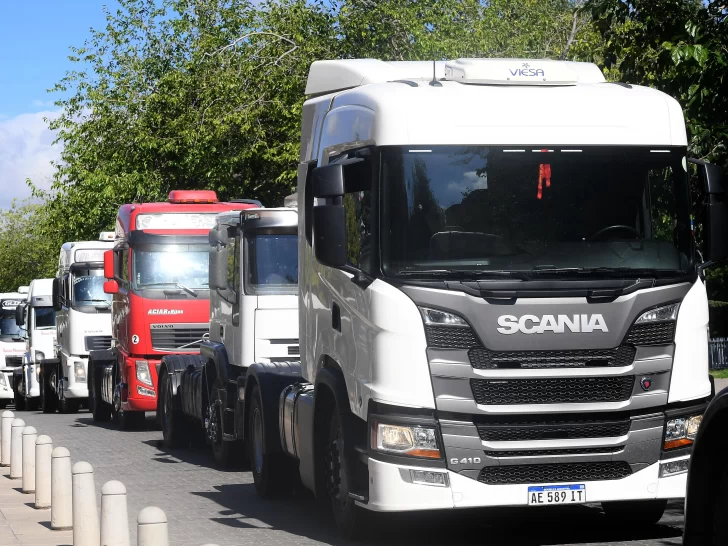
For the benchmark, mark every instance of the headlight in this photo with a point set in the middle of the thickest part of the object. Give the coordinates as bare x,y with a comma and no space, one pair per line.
660,314
435,317
79,370
142,372
681,431
39,356
412,440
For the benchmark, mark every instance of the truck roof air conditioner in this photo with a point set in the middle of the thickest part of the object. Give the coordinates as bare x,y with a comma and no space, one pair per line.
192,196
520,72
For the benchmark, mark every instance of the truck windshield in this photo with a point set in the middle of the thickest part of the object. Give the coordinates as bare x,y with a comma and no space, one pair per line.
272,263
88,288
471,210
45,318
181,267
8,328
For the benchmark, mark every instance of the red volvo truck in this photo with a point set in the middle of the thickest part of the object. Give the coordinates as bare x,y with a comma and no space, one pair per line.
158,275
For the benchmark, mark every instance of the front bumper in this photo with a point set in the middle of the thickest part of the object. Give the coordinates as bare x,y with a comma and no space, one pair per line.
390,492
135,401
72,387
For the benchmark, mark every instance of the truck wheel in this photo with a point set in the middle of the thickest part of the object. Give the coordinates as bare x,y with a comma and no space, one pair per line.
68,406
348,516
633,513
47,396
19,398
227,453
270,470
130,420
32,404
4,404
175,431
100,410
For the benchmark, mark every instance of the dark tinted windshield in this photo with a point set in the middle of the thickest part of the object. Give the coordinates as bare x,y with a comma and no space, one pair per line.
531,208
166,266
272,263
88,288
45,317
8,327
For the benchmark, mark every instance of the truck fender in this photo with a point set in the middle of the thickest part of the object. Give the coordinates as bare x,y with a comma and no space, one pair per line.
707,464
271,378
174,365
217,353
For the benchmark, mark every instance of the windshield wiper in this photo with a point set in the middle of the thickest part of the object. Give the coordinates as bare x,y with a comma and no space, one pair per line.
608,271
171,283
461,274
95,301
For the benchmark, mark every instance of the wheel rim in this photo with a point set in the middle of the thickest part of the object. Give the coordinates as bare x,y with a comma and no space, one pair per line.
213,430
257,441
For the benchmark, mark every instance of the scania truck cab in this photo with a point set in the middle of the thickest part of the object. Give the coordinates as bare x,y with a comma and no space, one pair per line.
83,316
12,341
38,319
157,274
500,298
253,318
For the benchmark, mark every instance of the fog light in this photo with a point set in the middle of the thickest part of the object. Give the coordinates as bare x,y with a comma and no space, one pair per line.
145,391
671,468
427,477
79,371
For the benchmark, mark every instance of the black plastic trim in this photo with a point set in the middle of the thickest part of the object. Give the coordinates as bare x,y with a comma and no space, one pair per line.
140,237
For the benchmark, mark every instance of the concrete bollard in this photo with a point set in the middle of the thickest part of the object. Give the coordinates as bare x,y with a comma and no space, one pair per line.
43,448
29,437
85,513
5,428
16,449
61,495
152,527
114,515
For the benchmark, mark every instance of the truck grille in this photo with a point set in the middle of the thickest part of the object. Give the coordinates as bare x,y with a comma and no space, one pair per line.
545,429
483,359
97,343
182,338
451,337
547,452
13,361
552,391
554,473
661,333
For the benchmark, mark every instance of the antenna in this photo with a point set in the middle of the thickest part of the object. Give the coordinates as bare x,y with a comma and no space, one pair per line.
434,82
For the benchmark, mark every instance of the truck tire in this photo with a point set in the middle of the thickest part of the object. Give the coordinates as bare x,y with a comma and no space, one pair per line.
100,410
4,403
350,518
19,398
228,454
175,429
47,396
646,512
271,471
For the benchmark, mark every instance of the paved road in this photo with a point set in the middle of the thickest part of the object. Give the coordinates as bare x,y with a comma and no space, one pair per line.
207,505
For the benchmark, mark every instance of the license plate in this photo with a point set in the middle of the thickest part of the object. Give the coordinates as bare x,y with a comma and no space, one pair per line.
543,495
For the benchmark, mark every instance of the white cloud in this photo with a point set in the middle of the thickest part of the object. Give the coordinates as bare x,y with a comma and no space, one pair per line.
26,151
470,181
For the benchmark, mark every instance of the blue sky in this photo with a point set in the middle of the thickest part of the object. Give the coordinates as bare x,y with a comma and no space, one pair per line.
35,36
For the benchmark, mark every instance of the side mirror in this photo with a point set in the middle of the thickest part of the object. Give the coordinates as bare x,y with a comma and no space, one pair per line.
218,267
111,287
716,211
329,218
56,298
109,268
20,315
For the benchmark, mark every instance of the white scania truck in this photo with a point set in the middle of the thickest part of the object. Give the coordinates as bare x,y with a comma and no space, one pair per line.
12,341
501,302
83,317
38,319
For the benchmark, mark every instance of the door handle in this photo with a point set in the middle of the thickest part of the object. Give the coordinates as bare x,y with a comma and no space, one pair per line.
336,317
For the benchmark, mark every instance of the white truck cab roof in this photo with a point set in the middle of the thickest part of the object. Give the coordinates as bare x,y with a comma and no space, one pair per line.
41,293
84,251
480,101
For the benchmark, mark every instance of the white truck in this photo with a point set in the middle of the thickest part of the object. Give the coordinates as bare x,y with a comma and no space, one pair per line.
38,319
83,318
253,318
501,302
12,341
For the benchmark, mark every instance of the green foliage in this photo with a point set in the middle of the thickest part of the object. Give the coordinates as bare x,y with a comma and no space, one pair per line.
24,253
